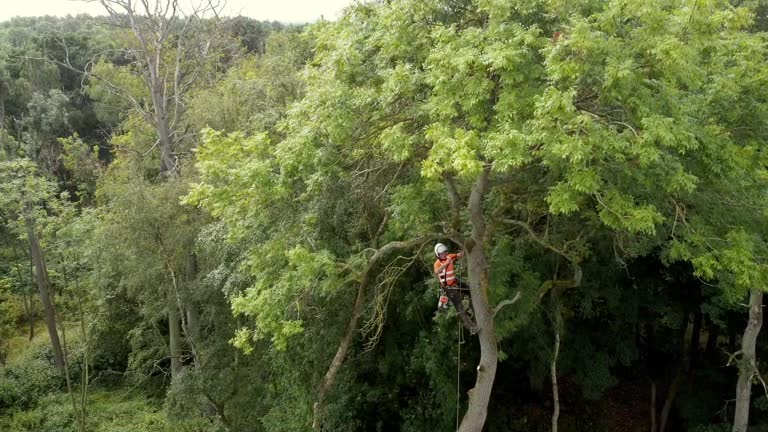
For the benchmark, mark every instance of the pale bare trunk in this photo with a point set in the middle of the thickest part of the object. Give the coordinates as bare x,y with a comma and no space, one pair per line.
160,103
748,363
43,285
480,395
166,146
174,333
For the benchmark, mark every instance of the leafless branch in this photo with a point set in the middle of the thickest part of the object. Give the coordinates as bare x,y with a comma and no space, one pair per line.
507,302
543,243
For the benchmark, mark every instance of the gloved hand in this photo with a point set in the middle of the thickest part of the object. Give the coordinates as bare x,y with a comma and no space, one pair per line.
442,303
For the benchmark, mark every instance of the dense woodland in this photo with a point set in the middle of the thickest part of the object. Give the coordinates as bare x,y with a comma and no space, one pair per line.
220,224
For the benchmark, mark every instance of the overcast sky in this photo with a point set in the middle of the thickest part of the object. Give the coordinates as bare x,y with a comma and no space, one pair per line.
293,11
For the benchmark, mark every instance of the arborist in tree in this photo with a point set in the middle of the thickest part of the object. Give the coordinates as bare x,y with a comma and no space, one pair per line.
451,287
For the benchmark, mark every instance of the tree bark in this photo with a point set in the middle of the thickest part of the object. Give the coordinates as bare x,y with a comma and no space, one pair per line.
163,129
710,351
653,406
748,365
191,310
28,303
341,354
174,333
29,310
480,395
43,286
153,43
2,104
671,395
693,353
557,324
680,374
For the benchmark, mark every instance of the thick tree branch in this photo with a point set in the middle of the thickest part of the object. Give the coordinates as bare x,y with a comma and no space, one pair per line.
479,396
539,240
506,302
574,282
341,353
477,218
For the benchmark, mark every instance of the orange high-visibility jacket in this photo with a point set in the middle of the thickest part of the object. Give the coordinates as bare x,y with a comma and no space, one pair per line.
447,277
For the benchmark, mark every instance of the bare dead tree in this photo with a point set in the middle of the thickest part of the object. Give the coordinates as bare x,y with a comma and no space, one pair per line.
174,49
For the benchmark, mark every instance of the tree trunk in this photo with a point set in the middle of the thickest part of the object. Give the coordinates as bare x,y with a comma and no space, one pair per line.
43,285
193,314
480,395
680,374
671,395
166,149
174,333
556,323
653,406
748,365
693,352
27,301
2,105
341,354
710,351
31,318
160,103
192,330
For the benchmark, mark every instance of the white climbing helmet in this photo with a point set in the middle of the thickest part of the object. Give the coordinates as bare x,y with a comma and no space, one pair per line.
440,248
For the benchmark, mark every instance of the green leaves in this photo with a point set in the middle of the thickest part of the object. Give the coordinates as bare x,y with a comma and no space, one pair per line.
618,211
455,149
285,283
24,193
237,174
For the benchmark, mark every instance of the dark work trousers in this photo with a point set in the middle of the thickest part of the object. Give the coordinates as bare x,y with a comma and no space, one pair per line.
454,294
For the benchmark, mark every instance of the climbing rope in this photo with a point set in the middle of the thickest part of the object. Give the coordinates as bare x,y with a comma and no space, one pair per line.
458,356
458,374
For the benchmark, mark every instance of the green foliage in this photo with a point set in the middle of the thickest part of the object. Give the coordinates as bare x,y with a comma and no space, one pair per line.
10,313
254,94
29,378
111,107
83,164
624,139
110,412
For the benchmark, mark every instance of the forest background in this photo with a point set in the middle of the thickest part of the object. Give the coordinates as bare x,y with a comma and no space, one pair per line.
223,224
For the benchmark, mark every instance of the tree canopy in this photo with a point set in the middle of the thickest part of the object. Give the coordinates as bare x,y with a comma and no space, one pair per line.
236,219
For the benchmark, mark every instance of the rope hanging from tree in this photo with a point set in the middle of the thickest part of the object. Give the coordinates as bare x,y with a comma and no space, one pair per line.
458,356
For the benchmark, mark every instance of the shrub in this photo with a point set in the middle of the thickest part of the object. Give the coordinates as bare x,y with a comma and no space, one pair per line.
29,379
